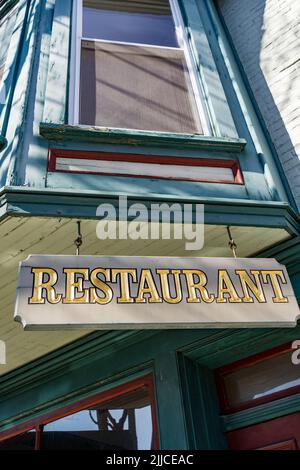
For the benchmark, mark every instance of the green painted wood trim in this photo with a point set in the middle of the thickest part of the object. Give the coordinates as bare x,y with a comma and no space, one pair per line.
218,109
100,356
258,414
52,405
287,253
228,345
6,6
66,133
25,202
3,142
95,346
19,119
56,96
171,419
204,427
108,357
34,166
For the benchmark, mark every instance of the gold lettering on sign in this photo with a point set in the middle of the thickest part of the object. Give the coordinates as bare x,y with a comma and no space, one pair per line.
225,286
125,297
101,285
274,277
74,286
147,286
194,286
248,284
163,273
39,285
132,285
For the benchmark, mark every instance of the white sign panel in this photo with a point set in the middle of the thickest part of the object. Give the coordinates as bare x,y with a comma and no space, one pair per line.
60,292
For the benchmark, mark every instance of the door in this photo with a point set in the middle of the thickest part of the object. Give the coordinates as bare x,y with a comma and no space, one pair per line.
260,382
278,434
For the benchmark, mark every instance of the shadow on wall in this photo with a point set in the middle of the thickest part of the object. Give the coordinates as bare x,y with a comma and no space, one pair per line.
266,37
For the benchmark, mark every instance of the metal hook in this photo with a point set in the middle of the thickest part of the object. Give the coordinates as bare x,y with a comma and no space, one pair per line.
231,243
78,241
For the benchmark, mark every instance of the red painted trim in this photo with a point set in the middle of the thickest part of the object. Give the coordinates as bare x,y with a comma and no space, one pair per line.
38,437
149,159
39,423
222,372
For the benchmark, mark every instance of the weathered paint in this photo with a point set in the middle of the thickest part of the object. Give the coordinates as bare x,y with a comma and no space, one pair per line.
57,132
38,59
55,109
182,362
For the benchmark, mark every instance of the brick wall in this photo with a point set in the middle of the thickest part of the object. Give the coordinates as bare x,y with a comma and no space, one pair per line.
266,35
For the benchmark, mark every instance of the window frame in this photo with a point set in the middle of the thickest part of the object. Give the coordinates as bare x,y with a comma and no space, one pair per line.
6,17
75,63
39,423
221,373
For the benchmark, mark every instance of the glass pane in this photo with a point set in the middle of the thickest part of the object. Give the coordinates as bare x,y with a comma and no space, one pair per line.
136,87
136,23
261,380
22,442
122,423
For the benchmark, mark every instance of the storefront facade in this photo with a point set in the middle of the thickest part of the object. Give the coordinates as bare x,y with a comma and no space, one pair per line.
72,140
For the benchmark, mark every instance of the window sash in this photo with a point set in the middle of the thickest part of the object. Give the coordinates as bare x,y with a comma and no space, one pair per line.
75,66
252,381
162,90
142,6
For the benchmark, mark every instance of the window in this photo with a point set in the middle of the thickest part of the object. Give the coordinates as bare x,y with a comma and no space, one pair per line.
24,441
120,419
258,379
6,29
120,423
132,69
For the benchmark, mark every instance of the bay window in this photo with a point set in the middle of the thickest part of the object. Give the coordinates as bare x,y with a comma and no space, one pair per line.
131,68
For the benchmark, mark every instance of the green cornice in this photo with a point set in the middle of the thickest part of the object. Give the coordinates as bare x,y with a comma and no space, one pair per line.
66,133
3,142
28,202
73,357
287,252
103,343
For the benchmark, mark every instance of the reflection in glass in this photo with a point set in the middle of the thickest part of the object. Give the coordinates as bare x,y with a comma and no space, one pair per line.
24,441
112,21
122,423
262,379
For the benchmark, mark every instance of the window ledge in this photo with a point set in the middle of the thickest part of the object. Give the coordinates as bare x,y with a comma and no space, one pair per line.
3,142
67,133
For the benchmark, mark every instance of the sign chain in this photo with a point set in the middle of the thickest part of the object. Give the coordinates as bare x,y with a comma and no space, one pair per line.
231,243
78,240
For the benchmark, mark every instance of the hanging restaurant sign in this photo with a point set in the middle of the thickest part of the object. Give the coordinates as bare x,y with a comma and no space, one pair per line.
60,292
